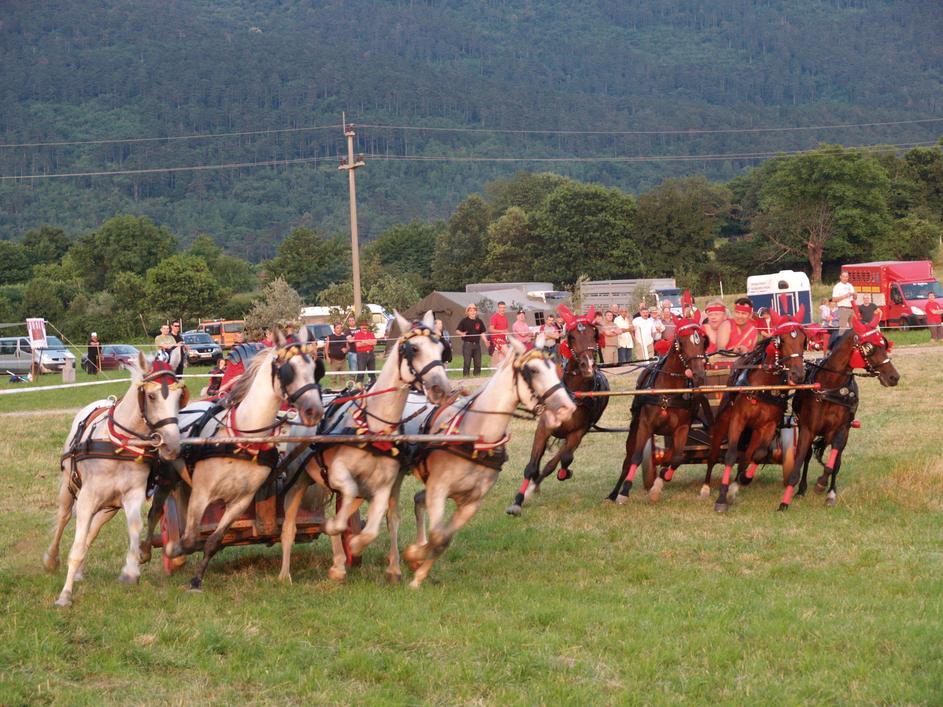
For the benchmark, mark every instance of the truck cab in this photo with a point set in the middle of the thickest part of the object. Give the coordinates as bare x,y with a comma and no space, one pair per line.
899,288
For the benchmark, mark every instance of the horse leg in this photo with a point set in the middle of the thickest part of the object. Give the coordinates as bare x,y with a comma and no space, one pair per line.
85,509
638,436
441,538
343,483
338,569
292,502
393,572
63,516
563,458
718,435
834,464
675,456
434,505
730,458
101,517
419,510
132,502
379,507
537,450
154,514
196,507
211,546
803,446
759,440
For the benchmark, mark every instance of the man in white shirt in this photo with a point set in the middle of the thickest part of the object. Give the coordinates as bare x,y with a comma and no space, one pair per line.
625,337
645,329
844,296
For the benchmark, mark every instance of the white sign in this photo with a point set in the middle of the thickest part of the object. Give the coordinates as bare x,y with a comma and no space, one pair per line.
37,333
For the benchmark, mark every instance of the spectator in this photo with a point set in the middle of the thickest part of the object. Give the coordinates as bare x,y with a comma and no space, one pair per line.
844,295
934,312
521,330
472,331
644,329
600,323
349,331
94,357
867,309
164,342
216,375
498,330
551,336
337,348
717,325
268,338
825,311
366,341
178,341
624,340
290,336
743,333
610,337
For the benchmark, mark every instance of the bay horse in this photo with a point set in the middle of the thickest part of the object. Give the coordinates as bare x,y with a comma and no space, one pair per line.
466,472
777,360
580,374
108,456
665,414
371,472
233,473
825,416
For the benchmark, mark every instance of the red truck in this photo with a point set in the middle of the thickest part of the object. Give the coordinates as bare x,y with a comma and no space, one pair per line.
899,288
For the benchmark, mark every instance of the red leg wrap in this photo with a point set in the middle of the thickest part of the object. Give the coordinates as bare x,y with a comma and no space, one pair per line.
525,485
751,471
787,495
726,480
831,459
632,470
669,473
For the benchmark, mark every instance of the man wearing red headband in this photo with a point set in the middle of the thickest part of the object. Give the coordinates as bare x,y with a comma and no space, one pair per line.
717,325
742,331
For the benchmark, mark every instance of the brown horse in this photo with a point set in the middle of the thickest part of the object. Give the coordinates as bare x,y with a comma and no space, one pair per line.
825,415
669,415
773,361
579,375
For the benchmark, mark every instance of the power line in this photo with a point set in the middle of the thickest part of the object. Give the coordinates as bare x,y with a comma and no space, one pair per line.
507,131
436,158
195,136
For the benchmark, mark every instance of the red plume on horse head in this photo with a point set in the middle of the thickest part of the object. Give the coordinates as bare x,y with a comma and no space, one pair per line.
567,315
590,315
862,329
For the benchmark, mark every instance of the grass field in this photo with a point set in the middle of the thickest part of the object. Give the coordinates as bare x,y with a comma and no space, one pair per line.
577,601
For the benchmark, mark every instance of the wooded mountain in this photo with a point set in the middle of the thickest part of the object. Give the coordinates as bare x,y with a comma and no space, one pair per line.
129,69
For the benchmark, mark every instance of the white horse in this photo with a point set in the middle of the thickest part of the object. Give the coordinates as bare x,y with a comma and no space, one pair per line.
372,471
234,473
465,473
106,462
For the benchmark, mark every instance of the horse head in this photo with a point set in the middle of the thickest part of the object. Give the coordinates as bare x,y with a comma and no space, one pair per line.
690,345
160,396
871,351
788,343
297,370
537,384
582,338
421,350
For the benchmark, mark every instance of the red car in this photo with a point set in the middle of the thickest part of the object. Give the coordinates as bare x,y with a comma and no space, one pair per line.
113,356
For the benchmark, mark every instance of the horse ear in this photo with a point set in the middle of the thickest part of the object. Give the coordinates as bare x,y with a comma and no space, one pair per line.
303,334
774,319
799,315
516,344
591,312
279,336
428,319
402,322
858,326
567,315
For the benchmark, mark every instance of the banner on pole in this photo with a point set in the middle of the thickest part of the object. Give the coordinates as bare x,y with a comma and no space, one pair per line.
37,333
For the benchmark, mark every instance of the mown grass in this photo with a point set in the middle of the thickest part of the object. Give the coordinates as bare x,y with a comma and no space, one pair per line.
577,601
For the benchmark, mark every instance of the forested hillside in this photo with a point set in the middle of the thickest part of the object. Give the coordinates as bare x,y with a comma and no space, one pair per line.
631,71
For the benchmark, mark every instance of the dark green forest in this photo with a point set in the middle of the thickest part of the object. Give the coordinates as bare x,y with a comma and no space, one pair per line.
433,86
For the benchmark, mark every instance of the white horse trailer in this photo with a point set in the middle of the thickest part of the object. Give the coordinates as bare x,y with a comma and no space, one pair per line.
782,292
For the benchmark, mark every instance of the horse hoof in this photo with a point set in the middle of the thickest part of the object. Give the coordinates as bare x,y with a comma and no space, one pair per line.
126,578
819,488
720,507
732,491
783,507
394,577
64,600
144,557
337,575
50,563
830,499
705,491
622,500
513,510
564,474
415,584
654,494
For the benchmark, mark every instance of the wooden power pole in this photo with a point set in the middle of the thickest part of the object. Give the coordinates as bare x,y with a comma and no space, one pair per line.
350,164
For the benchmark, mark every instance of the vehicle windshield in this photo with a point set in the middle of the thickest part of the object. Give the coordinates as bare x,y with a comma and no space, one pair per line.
920,290
233,328
123,349
200,338
54,342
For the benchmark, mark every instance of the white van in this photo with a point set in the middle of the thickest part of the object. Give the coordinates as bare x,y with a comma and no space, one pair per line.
782,292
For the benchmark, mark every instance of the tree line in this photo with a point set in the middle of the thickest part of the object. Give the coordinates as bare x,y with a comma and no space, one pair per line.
810,211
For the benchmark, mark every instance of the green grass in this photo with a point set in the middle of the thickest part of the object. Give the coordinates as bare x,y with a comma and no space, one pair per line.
577,601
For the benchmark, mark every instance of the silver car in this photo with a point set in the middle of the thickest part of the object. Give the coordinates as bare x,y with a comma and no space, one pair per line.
16,355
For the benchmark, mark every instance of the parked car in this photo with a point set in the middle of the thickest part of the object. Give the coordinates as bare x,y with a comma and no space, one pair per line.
113,355
16,355
200,347
319,333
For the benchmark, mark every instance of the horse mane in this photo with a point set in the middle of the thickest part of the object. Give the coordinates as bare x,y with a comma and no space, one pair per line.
241,387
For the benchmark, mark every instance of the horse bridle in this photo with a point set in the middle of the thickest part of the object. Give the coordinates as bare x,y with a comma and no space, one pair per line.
778,356
160,374
695,336
283,370
866,349
407,352
523,372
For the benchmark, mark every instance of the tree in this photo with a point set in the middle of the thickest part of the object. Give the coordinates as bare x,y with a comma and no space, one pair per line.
679,221
14,263
279,303
407,248
233,274
46,244
122,244
459,252
183,287
824,204
585,228
508,256
392,292
909,238
525,190
309,261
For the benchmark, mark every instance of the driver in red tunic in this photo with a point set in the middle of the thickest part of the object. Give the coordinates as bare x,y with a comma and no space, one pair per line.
743,333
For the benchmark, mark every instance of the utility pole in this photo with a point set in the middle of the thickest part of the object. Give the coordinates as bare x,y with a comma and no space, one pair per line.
350,164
